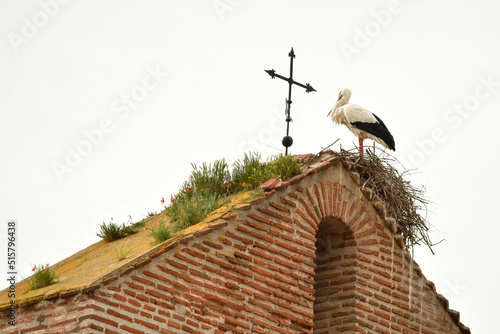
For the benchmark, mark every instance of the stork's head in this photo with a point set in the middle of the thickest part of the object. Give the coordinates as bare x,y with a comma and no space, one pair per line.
345,94
344,97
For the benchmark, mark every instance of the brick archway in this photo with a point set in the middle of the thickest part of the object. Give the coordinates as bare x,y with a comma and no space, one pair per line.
330,214
333,216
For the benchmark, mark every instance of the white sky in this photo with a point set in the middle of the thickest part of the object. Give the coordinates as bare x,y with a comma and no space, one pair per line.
429,69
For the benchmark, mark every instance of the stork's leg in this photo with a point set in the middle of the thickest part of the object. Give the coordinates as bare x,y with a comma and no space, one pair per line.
361,146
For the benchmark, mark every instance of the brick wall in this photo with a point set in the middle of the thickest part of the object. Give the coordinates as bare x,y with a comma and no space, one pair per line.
70,314
315,256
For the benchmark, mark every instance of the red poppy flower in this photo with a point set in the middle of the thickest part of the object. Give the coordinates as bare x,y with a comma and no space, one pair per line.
166,226
228,181
146,228
188,188
34,268
172,200
243,184
162,200
182,208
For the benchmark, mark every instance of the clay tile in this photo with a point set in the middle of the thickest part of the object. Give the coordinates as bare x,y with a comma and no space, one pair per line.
464,329
270,184
455,315
431,285
399,241
442,299
391,224
322,166
142,263
368,193
304,157
356,178
380,207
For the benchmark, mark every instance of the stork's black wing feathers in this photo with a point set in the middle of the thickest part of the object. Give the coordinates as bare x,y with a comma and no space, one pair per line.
377,129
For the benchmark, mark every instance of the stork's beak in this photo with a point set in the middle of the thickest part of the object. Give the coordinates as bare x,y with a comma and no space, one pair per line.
329,113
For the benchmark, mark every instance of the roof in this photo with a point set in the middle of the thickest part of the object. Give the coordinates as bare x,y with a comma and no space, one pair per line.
88,269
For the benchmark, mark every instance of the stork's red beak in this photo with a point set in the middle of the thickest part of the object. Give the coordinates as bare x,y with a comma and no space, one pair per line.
329,113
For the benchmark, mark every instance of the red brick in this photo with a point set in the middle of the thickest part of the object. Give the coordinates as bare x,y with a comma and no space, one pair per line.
275,214
143,280
235,322
176,264
194,253
131,330
279,207
129,309
308,211
147,324
105,320
311,223
168,270
213,244
155,275
119,315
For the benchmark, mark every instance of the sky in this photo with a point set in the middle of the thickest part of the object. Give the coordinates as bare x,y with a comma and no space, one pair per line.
104,105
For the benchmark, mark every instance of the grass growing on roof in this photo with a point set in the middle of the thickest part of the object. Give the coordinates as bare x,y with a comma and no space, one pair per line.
161,231
42,276
122,252
207,188
112,231
209,185
251,171
209,179
284,166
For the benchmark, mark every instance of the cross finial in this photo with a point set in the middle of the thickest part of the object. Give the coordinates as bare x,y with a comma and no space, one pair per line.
287,140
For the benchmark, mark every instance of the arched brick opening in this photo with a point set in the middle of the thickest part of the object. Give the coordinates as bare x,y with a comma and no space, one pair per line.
335,276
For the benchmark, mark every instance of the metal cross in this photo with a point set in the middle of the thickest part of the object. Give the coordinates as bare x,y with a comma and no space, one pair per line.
287,140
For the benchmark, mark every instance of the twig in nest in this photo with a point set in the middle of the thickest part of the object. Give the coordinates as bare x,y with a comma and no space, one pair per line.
404,201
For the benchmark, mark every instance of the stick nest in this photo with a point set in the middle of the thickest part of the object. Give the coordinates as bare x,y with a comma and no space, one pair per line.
404,202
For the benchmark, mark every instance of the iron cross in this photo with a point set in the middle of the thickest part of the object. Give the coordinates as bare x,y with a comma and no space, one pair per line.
287,140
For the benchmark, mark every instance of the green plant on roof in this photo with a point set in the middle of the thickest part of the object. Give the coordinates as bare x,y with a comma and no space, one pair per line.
209,179
188,211
112,231
284,166
122,252
161,231
209,186
151,214
42,276
251,171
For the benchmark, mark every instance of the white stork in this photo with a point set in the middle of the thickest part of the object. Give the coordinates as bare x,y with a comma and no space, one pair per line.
361,122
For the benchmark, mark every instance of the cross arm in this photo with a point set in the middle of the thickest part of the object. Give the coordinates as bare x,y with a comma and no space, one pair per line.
307,86
273,75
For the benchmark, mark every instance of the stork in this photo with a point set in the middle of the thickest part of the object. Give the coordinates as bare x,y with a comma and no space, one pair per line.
361,122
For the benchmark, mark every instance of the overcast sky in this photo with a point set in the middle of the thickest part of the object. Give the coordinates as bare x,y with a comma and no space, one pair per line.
104,105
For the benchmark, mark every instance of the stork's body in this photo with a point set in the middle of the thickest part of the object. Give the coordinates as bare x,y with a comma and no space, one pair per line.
361,122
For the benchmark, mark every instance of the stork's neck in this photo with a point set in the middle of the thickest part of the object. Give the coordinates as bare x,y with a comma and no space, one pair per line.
341,102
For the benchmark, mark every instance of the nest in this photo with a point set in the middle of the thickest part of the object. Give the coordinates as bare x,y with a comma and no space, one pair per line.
404,202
